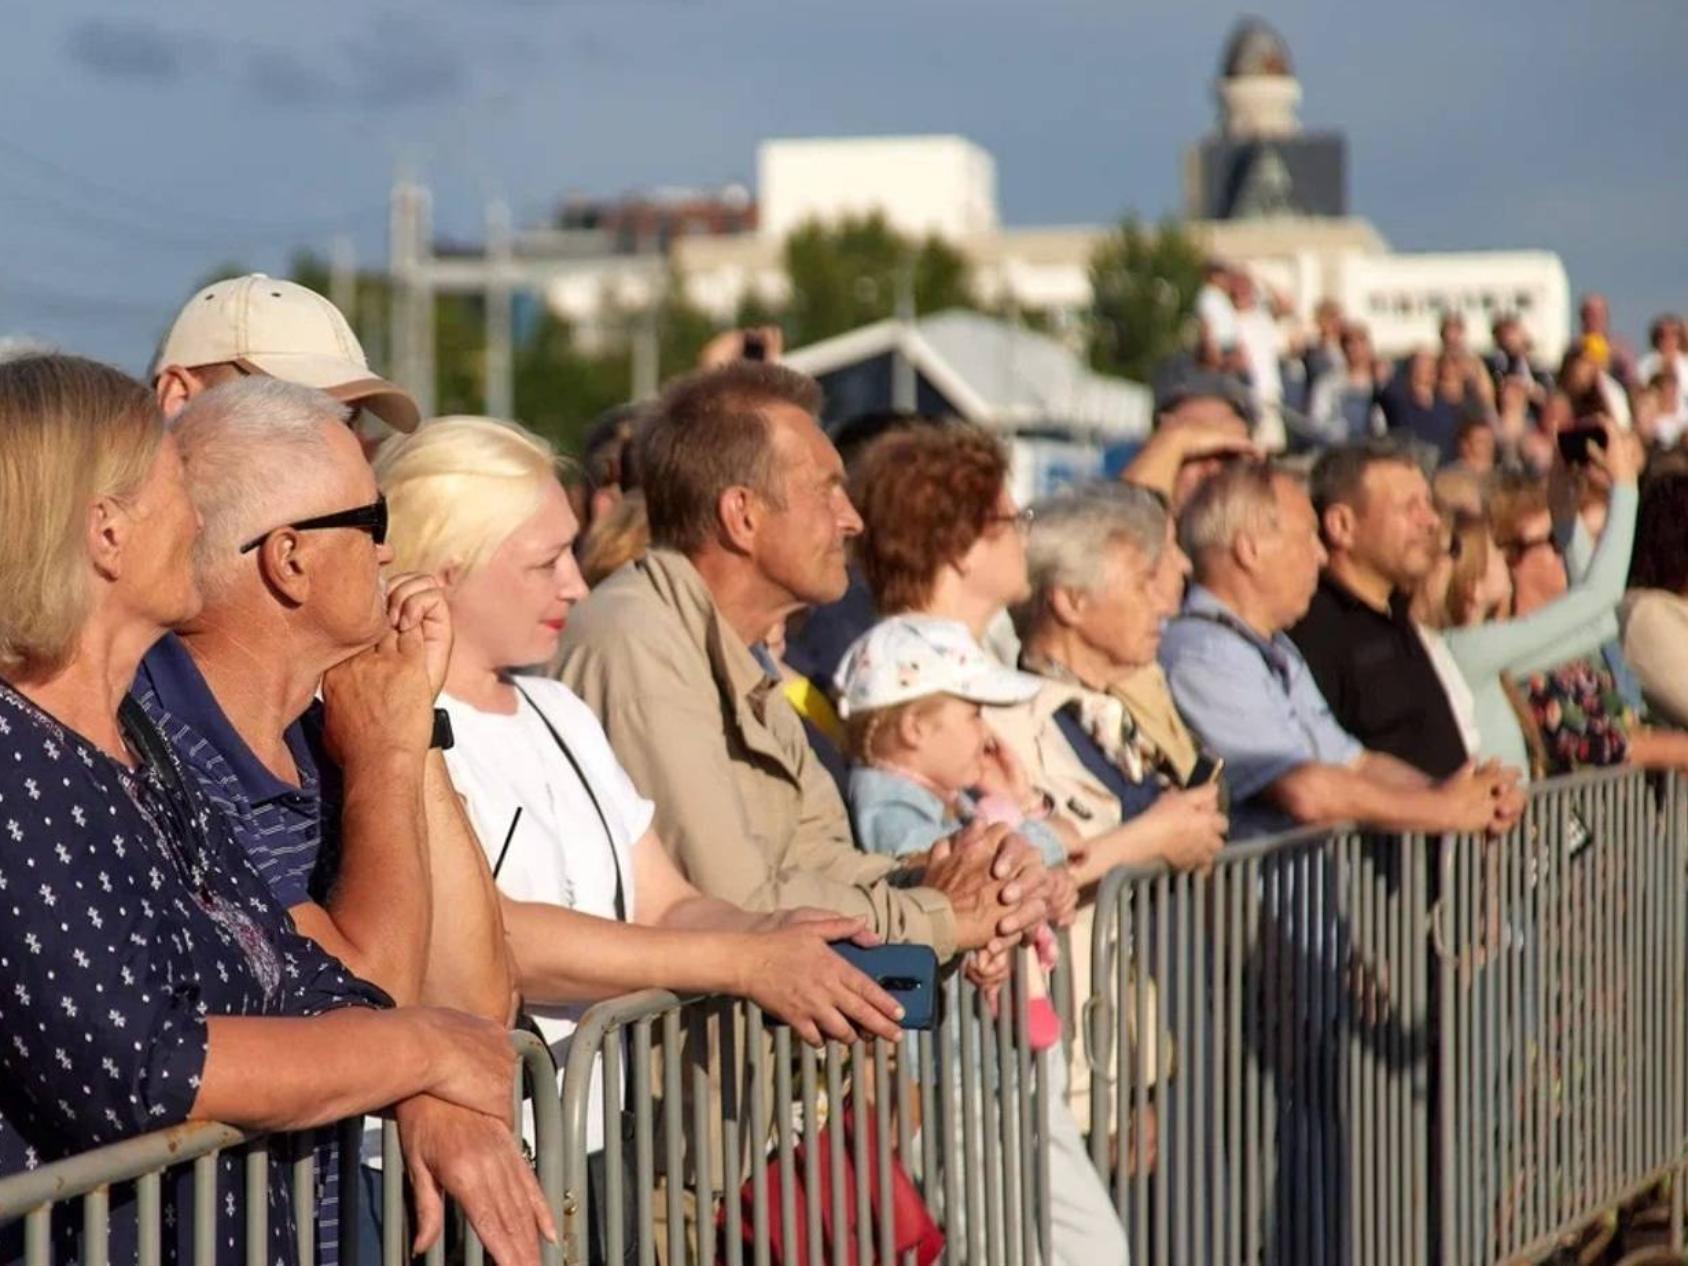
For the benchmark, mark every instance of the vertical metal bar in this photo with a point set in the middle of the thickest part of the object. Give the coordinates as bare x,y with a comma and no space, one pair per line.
38,1236
1177,1135
972,1209
756,1048
734,1068
784,1122
149,1209
990,1128
860,1155
1007,1112
1027,1150
96,1226
812,1155
1128,1056
1174,906
205,1209
611,1060
644,1142
702,1135
907,1066
1239,894
1146,972
673,1141
258,1203
394,1241
304,1196
1448,943
835,1153
1416,1018
939,1079
1257,1193
883,1093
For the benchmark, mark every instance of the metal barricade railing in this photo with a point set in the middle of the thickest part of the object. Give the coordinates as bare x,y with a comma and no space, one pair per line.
1562,951
1263,1028
727,1139
142,1175
1344,1047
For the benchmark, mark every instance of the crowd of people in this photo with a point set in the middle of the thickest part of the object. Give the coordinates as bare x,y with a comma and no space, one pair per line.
328,764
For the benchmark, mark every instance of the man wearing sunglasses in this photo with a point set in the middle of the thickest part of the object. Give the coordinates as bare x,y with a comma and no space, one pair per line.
344,806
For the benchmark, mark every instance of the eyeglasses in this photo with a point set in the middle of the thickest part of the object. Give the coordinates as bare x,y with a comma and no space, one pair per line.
1021,518
371,518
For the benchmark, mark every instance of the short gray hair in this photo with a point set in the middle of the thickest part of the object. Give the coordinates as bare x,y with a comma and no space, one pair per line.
1241,497
1071,535
250,446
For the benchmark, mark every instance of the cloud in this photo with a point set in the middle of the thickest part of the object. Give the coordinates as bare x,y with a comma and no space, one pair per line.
132,49
395,62
283,77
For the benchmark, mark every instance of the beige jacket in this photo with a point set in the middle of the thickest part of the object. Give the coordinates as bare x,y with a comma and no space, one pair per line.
748,813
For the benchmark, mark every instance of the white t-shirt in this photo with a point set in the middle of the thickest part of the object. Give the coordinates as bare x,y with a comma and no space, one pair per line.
557,852
1217,312
1461,700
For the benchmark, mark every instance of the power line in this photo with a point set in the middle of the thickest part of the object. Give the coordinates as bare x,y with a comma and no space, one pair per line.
175,213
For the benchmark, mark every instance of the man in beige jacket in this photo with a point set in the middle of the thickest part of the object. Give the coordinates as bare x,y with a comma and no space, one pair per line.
749,521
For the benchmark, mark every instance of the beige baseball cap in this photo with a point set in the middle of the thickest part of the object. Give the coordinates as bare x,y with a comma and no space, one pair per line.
283,330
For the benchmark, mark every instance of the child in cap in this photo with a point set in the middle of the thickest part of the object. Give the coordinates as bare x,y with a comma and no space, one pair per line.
910,692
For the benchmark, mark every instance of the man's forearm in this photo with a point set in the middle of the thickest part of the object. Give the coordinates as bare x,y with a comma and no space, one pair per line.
1324,795
468,965
382,904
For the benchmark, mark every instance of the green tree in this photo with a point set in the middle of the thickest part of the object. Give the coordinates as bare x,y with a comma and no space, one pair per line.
847,275
1143,284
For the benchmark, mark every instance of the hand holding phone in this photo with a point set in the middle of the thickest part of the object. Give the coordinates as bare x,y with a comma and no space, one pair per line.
909,973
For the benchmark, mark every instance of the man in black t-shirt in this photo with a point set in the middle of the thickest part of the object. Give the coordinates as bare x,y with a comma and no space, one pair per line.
1382,534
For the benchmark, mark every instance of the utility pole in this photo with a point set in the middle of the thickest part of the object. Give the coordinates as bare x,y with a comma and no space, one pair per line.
500,358
905,387
411,254
343,277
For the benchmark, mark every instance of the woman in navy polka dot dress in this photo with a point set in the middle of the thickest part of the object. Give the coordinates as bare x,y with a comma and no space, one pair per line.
146,978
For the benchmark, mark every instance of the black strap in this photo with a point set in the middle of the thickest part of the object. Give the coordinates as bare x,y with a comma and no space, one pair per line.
609,836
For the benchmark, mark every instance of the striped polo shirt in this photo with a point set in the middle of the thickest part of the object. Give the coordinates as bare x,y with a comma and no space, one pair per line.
290,833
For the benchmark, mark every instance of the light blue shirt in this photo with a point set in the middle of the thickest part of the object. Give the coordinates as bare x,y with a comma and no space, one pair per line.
896,816
1253,702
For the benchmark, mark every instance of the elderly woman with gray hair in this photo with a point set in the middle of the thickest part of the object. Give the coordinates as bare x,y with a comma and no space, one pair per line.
1104,571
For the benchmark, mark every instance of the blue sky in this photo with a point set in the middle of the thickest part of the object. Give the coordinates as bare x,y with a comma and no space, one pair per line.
147,142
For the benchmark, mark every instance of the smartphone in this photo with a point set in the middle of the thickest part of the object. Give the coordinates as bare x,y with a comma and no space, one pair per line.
909,973
1574,443
1210,769
755,346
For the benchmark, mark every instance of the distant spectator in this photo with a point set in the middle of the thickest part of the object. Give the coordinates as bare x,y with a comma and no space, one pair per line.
1459,364
1655,610
1570,684
1509,360
1262,345
1414,407
1325,353
1669,415
606,456
1669,350
1200,423
1382,537
1216,312
1343,403
618,536
1248,693
1475,448
1611,356
1520,442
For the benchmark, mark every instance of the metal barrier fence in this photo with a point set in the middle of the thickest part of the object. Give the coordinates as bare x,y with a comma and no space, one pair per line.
1368,1048
137,1201
737,1142
1561,954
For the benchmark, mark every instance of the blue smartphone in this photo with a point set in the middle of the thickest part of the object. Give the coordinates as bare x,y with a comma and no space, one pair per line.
909,973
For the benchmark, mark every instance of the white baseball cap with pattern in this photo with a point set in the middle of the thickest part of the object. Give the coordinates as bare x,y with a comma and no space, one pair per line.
283,330
910,657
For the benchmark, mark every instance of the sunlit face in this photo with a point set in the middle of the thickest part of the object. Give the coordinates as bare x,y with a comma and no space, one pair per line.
1538,573
995,565
1290,554
947,741
511,610
158,578
1121,617
801,546
1397,531
1170,575
347,599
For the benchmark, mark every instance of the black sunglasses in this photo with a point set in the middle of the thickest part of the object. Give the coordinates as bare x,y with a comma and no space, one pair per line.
371,518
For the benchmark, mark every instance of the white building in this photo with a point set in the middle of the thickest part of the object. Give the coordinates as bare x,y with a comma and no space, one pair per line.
922,185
